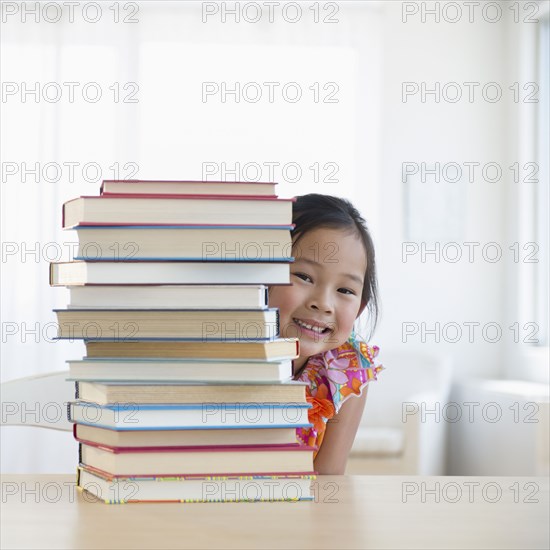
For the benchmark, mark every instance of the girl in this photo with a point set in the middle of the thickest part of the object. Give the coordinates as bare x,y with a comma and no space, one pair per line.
333,280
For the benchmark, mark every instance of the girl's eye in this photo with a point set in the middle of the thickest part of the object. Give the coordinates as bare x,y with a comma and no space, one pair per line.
346,291
302,276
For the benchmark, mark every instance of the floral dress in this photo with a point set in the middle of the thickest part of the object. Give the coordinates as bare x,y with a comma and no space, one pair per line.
333,377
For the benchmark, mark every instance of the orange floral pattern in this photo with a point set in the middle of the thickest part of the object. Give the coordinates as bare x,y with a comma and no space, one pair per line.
322,407
332,378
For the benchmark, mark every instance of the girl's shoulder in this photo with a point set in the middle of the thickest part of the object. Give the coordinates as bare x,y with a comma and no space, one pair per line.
343,372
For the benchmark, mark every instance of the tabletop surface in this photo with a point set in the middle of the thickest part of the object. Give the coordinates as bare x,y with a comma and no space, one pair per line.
46,511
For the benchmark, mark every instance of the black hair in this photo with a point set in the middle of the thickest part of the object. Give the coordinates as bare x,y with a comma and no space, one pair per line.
315,211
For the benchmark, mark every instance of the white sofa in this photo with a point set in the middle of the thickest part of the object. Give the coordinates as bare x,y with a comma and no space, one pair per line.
402,430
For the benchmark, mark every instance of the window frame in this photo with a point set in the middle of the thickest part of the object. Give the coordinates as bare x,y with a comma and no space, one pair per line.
531,199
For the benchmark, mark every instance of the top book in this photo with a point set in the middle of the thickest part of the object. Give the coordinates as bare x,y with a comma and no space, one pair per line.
172,187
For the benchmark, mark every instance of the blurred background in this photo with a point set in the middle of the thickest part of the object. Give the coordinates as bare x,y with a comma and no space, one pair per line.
431,117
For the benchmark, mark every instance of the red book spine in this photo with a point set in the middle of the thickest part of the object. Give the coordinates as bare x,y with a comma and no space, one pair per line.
202,448
205,225
192,181
185,197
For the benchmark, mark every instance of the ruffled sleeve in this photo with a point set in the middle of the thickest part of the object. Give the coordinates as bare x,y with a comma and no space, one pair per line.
334,377
350,368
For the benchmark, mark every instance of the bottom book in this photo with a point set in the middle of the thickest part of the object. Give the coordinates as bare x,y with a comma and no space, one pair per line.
124,490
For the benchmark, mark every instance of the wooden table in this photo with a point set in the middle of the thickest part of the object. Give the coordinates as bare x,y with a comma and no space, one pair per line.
45,511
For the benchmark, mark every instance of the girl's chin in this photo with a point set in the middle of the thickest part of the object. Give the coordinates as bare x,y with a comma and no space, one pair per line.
306,351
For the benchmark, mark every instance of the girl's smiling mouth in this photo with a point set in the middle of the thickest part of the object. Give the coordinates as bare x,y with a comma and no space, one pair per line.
312,326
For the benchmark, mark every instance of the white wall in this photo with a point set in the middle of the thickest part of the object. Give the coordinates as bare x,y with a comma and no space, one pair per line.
480,292
442,132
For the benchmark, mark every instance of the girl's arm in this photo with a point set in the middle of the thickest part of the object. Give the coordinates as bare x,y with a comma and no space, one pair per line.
339,436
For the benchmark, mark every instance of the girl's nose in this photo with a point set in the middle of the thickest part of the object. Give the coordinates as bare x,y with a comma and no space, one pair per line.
320,301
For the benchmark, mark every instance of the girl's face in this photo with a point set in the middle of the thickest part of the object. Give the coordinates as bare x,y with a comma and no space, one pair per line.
324,300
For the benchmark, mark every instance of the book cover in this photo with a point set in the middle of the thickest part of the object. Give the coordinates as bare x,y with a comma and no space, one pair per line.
168,272
195,489
139,416
184,438
175,187
199,210
169,296
276,350
224,243
290,391
214,460
185,324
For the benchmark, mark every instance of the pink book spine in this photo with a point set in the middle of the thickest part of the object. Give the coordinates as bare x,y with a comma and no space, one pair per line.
203,448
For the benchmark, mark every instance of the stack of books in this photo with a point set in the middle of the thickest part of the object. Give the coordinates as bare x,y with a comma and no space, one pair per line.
186,380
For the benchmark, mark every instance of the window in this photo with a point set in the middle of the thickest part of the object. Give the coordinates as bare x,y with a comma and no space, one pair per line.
541,193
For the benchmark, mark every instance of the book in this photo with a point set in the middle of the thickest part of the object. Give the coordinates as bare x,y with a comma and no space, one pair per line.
212,460
184,242
119,489
174,187
184,438
279,349
169,296
183,370
191,209
102,394
168,273
139,416
186,324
